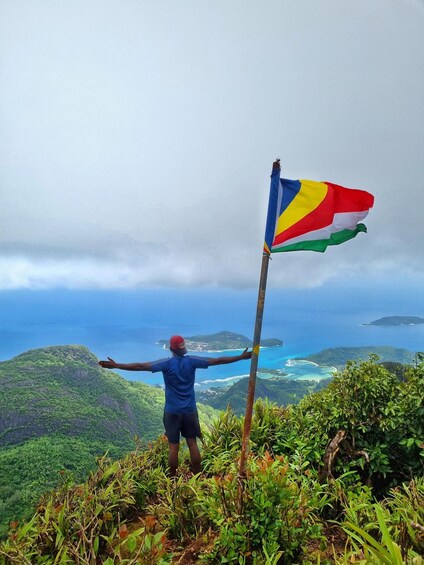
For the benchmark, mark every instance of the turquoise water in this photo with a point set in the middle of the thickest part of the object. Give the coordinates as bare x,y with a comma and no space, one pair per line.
290,369
127,325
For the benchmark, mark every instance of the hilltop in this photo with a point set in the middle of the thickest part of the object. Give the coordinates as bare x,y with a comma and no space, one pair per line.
337,479
58,411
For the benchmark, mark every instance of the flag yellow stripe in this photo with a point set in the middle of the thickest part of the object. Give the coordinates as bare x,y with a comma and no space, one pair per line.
310,196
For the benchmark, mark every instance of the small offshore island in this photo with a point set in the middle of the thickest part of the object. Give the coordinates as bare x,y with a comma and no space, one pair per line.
397,321
222,341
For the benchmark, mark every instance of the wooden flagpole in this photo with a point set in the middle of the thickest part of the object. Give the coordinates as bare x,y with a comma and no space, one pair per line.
253,370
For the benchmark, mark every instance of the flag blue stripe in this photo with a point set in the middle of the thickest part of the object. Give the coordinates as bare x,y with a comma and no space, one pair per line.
291,189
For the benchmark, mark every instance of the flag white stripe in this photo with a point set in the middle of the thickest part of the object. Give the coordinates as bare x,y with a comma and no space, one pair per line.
341,221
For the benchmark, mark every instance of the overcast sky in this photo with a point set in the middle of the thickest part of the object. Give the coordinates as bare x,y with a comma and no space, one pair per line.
137,137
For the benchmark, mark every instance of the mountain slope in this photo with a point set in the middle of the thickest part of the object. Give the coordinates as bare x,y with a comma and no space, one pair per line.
58,412
318,488
62,390
279,390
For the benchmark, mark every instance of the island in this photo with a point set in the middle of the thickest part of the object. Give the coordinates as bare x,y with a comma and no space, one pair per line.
339,356
222,341
397,321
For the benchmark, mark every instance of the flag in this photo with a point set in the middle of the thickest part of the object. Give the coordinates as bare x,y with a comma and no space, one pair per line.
310,215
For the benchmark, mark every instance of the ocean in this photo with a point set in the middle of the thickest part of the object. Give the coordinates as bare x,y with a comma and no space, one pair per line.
126,325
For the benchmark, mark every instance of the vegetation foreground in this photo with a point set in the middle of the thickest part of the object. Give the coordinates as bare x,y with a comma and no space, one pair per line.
338,478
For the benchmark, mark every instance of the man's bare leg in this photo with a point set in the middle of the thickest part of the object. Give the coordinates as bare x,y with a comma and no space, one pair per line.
195,457
173,458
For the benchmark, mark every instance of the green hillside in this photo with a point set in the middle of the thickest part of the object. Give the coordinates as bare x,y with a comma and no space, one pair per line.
58,412
336,479
289,391
62,390
279,390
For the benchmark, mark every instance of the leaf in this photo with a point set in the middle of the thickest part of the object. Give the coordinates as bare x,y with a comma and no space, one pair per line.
148,542
99,509
123,531
138,532
150,521
110,471
391,546
362,536
131,543
65,560
59,538
159,537
25,529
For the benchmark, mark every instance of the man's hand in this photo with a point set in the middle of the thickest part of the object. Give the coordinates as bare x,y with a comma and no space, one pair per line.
110,364
246,354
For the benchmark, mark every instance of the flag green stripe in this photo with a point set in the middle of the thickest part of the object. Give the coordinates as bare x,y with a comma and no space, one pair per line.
322,244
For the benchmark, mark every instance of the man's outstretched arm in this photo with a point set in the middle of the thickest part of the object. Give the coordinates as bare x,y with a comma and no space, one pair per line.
111,364
230,359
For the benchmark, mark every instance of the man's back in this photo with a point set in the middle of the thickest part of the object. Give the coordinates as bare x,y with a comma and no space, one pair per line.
179,374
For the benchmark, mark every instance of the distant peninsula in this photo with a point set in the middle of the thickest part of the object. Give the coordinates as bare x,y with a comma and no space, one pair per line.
222,341
397,321
339,356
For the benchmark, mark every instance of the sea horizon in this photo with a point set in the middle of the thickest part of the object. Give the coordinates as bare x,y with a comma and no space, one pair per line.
126,325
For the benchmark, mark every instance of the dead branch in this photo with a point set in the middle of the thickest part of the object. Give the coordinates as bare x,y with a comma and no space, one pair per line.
417,526
330,454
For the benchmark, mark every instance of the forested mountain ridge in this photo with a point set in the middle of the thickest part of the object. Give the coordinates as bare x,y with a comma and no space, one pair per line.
58,411
62,390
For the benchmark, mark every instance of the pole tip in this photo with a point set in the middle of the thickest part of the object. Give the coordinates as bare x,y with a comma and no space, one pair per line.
276,164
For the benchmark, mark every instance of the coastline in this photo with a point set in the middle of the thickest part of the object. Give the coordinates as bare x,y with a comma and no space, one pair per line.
191,351
295,370
230,350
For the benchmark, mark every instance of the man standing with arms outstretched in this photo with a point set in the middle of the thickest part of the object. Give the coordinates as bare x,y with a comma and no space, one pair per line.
180,416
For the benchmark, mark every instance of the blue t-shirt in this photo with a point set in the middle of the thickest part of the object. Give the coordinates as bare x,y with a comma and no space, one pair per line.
178,374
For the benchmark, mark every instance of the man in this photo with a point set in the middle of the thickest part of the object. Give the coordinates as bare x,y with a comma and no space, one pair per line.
180,416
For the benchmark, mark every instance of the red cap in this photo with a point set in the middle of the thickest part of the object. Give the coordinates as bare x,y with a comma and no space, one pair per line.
176,342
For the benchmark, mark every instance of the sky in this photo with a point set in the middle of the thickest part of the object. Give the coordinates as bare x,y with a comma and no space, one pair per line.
137,138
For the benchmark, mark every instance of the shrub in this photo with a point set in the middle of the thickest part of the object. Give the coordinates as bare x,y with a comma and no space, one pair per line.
276,515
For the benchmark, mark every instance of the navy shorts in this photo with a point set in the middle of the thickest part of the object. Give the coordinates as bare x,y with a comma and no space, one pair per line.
185,424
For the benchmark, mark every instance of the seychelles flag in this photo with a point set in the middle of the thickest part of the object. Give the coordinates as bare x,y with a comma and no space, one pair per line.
310,215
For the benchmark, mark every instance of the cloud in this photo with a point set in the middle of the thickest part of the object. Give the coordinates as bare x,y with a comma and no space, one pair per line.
137,141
